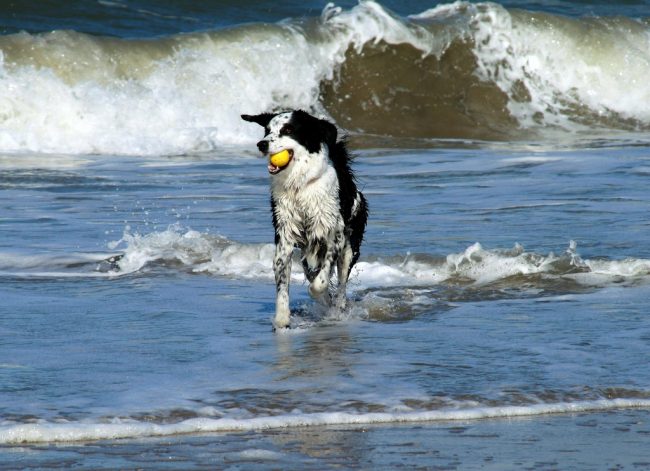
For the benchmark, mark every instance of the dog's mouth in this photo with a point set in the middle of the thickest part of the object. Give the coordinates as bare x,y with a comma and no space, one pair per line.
279,161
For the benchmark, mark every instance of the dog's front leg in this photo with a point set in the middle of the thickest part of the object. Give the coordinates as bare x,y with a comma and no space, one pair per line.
282,269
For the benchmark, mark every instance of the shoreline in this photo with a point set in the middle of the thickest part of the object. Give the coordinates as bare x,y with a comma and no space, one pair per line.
84,432
595,440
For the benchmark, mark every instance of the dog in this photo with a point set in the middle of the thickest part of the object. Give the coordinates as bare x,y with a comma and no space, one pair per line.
315,204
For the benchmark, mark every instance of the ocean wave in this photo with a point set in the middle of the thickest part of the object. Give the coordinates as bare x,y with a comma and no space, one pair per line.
487,72
475,267
126,428
459,70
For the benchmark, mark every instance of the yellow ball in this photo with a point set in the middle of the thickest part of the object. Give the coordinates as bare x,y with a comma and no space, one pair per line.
281,158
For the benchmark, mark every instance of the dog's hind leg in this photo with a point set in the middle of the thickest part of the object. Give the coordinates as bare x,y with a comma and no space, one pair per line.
282,270
319,286
343,269
350,252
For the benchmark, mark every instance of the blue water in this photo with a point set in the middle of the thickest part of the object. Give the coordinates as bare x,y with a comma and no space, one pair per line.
150,18
498,314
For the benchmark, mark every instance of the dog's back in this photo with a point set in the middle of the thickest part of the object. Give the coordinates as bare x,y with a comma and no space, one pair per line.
354,207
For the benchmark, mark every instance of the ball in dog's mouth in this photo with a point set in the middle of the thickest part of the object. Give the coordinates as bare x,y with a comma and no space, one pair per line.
280,160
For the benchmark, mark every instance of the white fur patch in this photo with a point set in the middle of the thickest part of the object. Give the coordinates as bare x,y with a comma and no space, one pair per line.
306,199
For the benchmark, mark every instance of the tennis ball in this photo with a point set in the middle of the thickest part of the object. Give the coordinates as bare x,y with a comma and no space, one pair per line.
281,158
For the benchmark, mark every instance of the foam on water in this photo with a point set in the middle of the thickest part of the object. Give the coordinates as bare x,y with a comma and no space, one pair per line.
550,67
177,95
184,94
213,254
70,432
220,256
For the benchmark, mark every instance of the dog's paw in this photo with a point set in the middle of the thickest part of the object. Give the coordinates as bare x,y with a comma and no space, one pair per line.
282,319
318,287
276,328
341,302
280,329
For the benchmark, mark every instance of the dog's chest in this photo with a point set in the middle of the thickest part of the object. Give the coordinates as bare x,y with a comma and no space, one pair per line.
310,212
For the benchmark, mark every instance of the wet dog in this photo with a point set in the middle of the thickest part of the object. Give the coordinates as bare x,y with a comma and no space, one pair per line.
315,203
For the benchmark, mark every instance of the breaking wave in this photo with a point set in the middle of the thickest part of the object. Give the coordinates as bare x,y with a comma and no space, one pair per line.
131,428
460,70
476,267
218,255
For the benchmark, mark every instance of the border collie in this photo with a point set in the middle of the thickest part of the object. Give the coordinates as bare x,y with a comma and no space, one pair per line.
315,203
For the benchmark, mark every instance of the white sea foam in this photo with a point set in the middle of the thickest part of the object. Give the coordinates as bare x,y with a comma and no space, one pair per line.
216,255
179,95
562,64
86,431
185,93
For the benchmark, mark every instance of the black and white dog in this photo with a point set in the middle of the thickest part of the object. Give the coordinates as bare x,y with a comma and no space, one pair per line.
315,203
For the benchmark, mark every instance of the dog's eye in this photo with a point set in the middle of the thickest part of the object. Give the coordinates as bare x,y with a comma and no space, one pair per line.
286,129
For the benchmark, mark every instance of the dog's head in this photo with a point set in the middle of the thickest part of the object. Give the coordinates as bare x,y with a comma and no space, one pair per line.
306,139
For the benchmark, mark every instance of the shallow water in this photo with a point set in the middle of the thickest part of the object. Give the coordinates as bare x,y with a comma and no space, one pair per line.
176,336
498,312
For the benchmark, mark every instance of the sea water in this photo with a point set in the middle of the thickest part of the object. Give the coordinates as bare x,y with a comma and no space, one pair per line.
498,314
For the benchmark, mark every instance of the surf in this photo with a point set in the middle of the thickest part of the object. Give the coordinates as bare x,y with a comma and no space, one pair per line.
474,273
127,429
460,70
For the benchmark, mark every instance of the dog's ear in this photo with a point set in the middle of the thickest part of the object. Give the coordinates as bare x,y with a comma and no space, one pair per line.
261,119
329,132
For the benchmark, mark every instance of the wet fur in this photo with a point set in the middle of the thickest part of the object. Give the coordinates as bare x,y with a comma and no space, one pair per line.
316,206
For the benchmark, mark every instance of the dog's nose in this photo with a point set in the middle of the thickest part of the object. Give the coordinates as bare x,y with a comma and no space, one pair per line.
263,146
